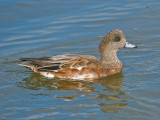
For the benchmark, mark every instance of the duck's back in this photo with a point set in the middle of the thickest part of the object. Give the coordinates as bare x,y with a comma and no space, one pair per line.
65,66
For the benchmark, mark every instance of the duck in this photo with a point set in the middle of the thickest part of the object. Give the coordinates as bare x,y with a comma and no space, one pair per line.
72,66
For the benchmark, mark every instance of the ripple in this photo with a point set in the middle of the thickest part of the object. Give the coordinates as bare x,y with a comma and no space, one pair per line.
25,42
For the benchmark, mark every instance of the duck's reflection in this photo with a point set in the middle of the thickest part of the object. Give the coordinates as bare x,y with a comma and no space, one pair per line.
108,91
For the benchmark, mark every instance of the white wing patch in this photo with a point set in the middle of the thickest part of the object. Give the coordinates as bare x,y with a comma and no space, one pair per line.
48,75
79,68
55,70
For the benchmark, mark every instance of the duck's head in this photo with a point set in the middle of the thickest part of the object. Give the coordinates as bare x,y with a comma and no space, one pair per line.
113,41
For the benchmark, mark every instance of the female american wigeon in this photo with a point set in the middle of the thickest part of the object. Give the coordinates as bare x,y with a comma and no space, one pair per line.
82,66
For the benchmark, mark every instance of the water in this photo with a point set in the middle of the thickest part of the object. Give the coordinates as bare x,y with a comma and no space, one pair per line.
45,28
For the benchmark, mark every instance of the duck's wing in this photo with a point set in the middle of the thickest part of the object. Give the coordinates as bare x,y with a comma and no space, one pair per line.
59,62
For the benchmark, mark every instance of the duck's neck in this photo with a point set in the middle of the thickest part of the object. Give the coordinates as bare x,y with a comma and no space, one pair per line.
109,59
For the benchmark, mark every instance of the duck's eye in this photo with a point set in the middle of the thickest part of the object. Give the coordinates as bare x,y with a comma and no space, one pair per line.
117,39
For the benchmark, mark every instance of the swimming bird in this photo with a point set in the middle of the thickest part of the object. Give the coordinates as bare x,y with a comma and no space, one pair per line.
82,66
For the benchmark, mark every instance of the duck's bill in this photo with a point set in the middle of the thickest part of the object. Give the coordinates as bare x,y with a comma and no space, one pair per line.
129,45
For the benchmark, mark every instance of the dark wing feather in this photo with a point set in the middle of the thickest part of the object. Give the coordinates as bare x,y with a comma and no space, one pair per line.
50,68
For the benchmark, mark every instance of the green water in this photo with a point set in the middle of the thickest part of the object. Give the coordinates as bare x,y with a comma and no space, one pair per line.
45,28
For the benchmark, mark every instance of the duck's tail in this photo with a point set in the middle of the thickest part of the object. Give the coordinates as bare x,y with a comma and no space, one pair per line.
28,65
25,64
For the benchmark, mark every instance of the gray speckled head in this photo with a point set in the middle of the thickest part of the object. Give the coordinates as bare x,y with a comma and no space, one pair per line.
113,41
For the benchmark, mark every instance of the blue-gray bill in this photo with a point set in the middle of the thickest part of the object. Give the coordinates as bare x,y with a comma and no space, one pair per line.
129,45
